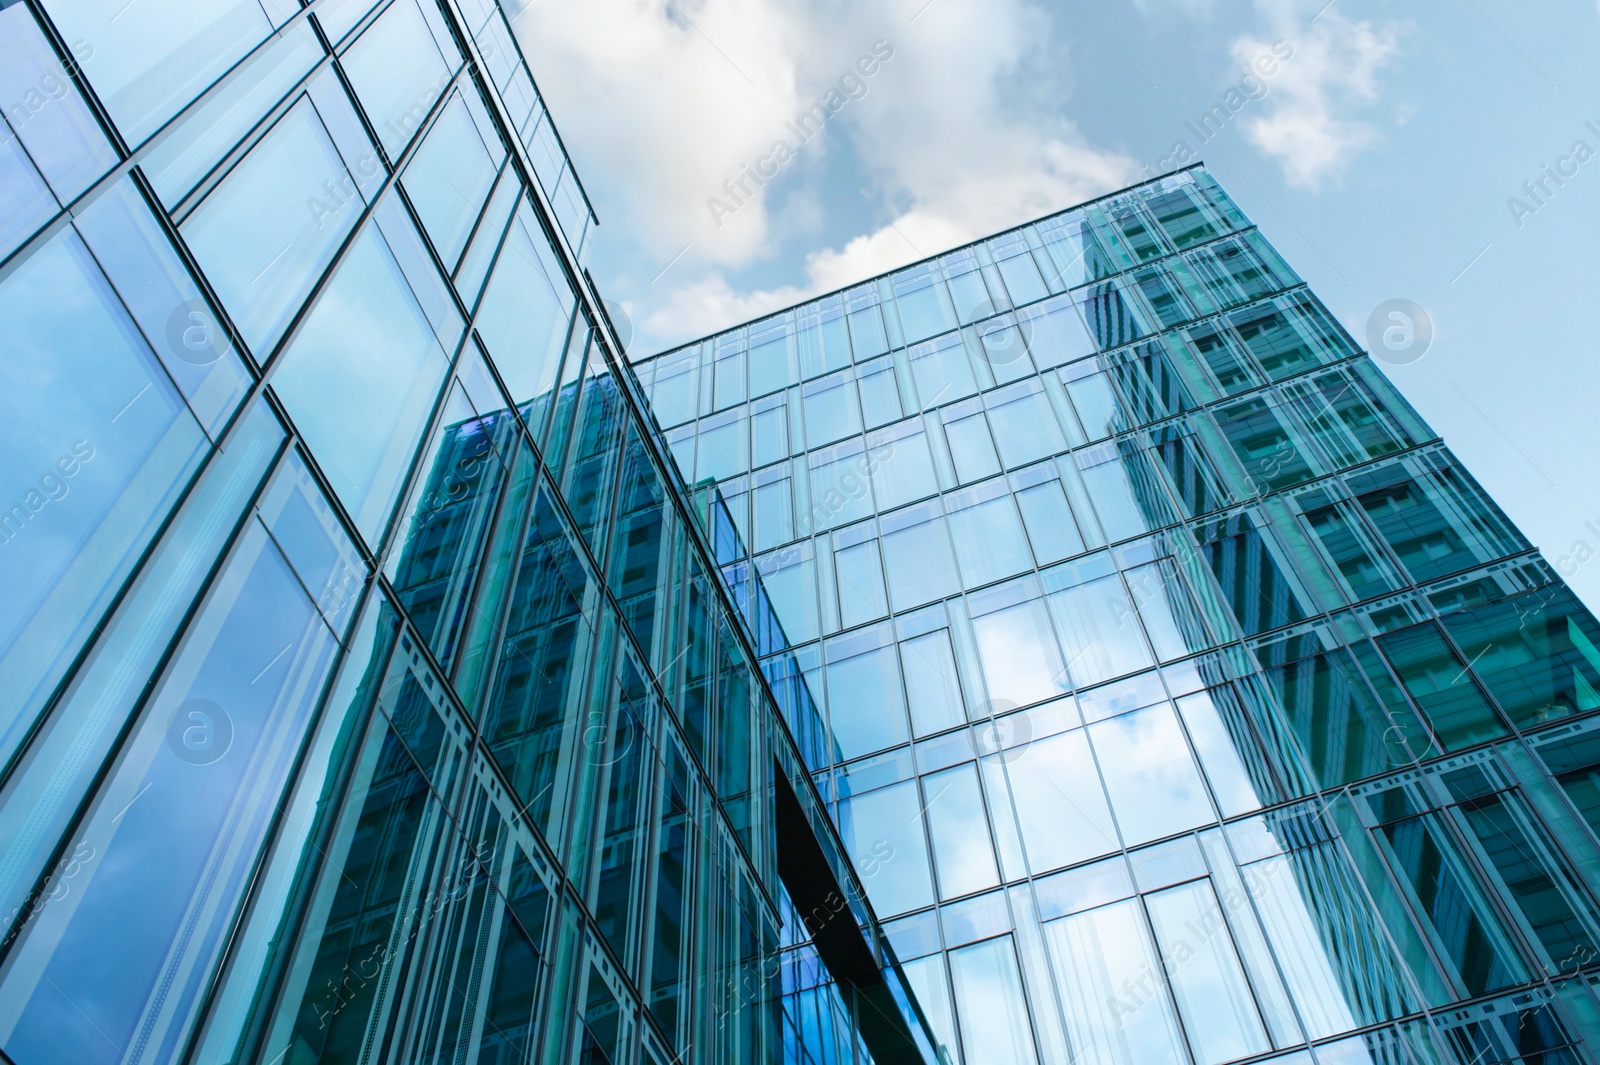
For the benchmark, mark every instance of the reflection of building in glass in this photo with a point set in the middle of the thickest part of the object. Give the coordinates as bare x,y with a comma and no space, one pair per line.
366,690
1178,695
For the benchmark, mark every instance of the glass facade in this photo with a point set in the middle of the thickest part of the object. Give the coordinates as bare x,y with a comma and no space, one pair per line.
1178,696
367,691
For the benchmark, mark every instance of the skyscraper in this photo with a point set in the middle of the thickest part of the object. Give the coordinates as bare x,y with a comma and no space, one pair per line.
1176,692
366,692
1078,617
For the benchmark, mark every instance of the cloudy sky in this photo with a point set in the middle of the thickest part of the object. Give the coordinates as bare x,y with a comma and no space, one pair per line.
1385,157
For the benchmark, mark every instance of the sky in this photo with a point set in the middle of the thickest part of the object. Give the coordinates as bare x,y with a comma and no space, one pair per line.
1397,151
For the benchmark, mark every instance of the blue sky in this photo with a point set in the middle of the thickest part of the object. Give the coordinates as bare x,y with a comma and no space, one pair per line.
1381,157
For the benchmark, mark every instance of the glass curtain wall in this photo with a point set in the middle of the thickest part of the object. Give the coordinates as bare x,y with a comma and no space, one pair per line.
1178,695
365,689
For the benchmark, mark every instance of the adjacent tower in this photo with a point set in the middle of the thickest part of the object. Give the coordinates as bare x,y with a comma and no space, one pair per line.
1178,695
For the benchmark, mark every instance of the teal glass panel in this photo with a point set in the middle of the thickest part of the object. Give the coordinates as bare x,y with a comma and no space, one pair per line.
1442,686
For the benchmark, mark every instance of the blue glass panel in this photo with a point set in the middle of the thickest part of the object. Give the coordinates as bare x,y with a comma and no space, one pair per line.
866,706
1099,630
526,310
1155,788
365,337
1059,803
265,234
917,559
206,134
42,796
1025,428
25,200
831,410
449,179
96,443
888,822
44,109
990,1003
963,855
1019,655
397,73
147,60
171,838
166,302
988,538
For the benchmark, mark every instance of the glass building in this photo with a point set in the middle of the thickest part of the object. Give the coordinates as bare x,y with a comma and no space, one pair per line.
1177,694
367,692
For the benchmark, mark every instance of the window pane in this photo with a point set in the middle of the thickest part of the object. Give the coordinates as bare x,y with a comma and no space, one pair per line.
860,577
1056,333
840,490
1116,1014
989,1001
209,130
97,442
865,705
962,853
1096,406
972,449
791,584
1207,980
920,565
1018,651
942,372
1099,630
152,58
449,179
889,817
932,686
525,311
831,411
989,542
45,111
1058,801
902,466
1154,785
397,73
265,234
924,306
366,337
769,435
1051,528
173,833
926,977
1026,429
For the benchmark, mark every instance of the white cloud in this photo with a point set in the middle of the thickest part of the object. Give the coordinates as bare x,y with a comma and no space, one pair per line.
958,135
1333,73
